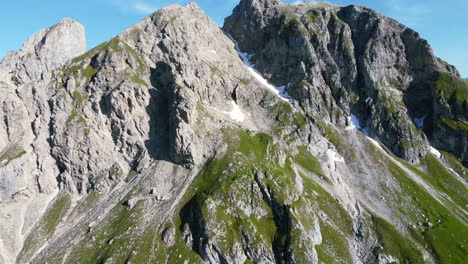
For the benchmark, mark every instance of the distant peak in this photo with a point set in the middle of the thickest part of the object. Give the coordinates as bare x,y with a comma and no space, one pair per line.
67,20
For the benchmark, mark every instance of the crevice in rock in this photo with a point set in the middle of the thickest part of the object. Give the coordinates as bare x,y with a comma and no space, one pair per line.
158,111
191,215
50,141
282,242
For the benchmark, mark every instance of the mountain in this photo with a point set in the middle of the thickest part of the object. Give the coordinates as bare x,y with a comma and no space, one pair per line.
308,133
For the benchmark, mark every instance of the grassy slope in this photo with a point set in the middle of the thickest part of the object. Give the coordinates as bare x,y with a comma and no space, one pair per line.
445,239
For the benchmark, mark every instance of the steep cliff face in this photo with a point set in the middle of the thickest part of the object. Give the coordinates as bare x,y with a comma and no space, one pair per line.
27,170
166,145
349,59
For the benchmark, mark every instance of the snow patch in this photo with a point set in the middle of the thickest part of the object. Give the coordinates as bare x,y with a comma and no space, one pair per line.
236,113
354,123
435,152
420,121
334,157
280,91
373,141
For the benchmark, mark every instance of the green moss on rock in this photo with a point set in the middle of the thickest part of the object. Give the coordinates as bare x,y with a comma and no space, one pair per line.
9,154
451,123
449,85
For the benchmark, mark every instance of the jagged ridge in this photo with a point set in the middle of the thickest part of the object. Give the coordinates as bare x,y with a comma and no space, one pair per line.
154,164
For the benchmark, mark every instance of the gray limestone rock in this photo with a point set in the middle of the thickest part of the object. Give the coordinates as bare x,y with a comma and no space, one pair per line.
163,145
45,51
341,60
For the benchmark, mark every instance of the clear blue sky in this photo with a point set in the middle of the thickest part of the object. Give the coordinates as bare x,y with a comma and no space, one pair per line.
443,23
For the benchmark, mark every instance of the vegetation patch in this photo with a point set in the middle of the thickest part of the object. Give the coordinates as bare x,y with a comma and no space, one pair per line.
438,176
293,24
313,16
89,72
449,85
394,243
215,69
308,162
283,112
226,183
136,79
56,212
244,81
9,154
445,236
451,123
46,226
455,164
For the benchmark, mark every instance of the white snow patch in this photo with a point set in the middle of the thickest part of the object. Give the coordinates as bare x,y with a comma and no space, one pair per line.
354,123
236,112
280,91
373,141
435,152
334,157
420,121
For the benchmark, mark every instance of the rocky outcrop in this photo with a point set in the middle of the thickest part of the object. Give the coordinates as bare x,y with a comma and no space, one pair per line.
27,169
448,123
337,60
45,51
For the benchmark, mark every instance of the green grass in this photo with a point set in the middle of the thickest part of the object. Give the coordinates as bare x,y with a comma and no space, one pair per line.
226,182
394,243
115,45
56,212
45,227
453,124
89,71
293,24
74,71
97,246
136,79
77,104
303,84
455,164
86,203
449,85
283,112
307,161
447,238
313,16
390,103
230,179
78,98
334,247
438,176
215,69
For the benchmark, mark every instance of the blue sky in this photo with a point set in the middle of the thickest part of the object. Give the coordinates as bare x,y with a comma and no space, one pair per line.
443,23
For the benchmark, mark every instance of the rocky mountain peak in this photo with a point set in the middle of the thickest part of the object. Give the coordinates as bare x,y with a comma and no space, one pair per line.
359,60
45,51
272,140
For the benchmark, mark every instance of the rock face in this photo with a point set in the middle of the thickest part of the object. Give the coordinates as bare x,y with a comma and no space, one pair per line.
349,59
45,51
27,169
165,145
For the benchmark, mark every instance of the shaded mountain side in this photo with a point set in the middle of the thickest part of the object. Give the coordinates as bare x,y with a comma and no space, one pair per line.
166,144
